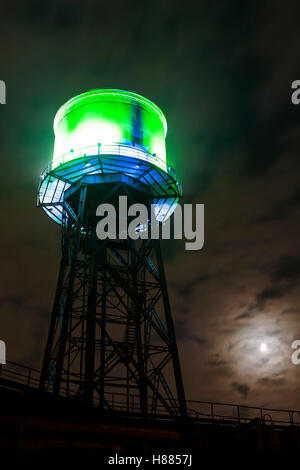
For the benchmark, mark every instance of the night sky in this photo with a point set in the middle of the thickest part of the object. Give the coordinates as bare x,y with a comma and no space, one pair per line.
222,74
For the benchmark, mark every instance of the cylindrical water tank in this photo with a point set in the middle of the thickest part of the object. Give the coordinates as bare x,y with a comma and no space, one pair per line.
112,122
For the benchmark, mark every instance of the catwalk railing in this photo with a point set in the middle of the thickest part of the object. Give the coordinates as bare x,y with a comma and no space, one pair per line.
202,411
119,150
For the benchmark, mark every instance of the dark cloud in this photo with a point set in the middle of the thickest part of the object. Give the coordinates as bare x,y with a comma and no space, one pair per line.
261,298
268,293
269,382
14,301
281,209
216,361
289,311
186,288
186,333
284,279
242,389
288,268
249,312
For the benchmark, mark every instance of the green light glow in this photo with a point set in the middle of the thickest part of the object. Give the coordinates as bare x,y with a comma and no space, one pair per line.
100,121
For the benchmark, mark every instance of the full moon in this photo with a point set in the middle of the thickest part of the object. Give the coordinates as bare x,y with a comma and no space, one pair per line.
263,347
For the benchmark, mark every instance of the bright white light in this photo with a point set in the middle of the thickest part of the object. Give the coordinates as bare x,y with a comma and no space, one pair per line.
263,347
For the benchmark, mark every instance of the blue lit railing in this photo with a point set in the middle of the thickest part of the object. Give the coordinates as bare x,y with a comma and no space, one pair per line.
121,150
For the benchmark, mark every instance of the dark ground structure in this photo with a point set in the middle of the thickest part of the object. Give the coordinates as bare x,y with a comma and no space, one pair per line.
31,420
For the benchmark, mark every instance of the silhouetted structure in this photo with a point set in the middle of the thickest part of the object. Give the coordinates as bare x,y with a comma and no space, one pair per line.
111,336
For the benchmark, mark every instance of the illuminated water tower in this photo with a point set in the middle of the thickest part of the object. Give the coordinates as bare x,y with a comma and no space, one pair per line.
111,340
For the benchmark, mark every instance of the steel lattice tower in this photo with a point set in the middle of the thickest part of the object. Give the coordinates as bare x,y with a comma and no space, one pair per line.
111,340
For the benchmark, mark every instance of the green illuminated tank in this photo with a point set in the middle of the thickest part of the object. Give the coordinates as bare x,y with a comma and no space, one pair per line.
108,118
